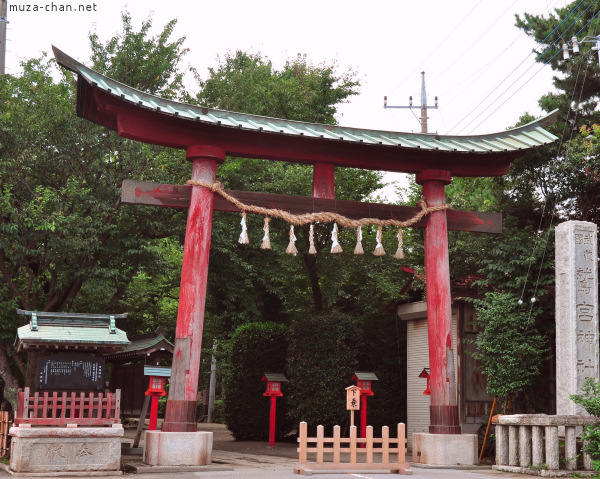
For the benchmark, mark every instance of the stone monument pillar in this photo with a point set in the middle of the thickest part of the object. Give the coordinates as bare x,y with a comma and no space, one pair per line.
576,311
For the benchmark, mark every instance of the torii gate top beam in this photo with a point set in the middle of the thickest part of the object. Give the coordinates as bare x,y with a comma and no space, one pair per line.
144,117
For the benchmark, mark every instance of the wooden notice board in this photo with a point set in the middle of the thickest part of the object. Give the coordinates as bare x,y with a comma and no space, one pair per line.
70,371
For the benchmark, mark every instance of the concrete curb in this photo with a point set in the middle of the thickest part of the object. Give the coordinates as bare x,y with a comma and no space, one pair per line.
141,468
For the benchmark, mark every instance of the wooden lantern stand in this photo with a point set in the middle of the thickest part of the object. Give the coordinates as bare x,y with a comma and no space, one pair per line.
425,374
363,381
273,381
156,389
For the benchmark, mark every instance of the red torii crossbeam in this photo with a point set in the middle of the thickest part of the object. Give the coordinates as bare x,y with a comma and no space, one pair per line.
208,135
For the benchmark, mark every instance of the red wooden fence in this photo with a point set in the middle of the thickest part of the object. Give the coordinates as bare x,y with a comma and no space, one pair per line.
60,409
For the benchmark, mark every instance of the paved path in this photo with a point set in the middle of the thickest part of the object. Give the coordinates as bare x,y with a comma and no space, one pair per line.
257,460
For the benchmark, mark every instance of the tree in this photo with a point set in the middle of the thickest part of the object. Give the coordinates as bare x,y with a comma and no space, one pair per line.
248,83
590,400
65,242
510,349
579,82
299,91
568,184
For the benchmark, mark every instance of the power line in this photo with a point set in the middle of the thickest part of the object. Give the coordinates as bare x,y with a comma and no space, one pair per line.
562,170
513,71
436,48
478,73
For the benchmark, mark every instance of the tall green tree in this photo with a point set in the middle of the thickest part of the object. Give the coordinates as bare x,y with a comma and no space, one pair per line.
65,241
249,284
577,81
563,177
299,91
510,348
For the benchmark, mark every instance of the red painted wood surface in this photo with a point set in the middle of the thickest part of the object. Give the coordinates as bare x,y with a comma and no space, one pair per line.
439,314
154,127
178,196
181,405
324,181
153,412
60,409
272,416
363,416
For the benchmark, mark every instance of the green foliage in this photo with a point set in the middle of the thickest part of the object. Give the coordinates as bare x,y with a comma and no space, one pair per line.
66,244
383,352
247,82
219,411
590,400
150,64
577,81
321,360
246,283
255,348
510,349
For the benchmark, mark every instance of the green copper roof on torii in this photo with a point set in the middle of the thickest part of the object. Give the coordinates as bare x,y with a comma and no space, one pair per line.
113,104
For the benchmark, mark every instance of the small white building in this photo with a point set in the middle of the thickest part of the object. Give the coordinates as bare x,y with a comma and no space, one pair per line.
473,400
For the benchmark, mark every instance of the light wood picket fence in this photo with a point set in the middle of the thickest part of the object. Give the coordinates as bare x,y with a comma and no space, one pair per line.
4,427
343,454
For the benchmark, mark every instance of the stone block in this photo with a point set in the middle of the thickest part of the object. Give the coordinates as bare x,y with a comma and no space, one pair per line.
445,449
576,265
178,448
525,446
48,450
544,420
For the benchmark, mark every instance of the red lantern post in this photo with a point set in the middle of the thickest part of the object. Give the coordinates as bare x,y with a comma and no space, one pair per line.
425,374
363,381
156,388
273,381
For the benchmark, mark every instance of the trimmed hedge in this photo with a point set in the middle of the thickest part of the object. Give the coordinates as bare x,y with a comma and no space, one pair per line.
321,362
254,348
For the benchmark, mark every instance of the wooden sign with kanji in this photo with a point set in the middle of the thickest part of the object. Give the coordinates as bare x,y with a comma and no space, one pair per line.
353,398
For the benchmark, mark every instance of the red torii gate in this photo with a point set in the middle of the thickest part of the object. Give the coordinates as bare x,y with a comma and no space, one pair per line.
208,135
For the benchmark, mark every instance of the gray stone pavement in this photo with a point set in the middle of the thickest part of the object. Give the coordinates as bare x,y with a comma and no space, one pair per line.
257,460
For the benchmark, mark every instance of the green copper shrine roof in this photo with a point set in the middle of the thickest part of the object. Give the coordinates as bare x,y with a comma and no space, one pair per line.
142,116
71,331
144,344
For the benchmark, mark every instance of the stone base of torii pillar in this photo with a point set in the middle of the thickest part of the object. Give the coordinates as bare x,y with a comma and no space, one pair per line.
445,449
178,448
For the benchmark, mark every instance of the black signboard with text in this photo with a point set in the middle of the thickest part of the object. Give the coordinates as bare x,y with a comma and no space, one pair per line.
70,371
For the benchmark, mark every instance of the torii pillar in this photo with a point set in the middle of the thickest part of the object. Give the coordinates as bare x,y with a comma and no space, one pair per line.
444,417
444,444
180,415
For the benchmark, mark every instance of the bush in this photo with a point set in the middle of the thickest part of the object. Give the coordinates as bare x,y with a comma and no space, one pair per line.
321,362
218,412
384,353
510,349
254,349
590,400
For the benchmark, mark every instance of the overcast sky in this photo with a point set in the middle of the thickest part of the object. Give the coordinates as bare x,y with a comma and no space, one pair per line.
470,50
476,61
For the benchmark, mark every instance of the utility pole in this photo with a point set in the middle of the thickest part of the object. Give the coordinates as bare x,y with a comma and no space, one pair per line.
3,23
575,47
424,106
